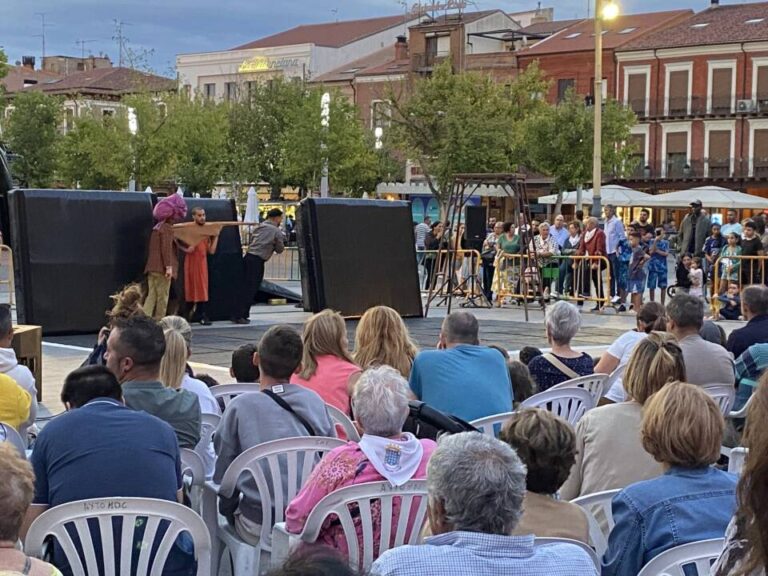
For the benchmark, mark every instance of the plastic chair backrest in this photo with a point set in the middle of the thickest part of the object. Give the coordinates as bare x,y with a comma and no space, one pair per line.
544,541
595,384
736,459
490,425
723,394
9,434
161,521
741,412
343,420
567,403
265,463
680,560
360,499
227,392
612,377
193,467
600,517
208,425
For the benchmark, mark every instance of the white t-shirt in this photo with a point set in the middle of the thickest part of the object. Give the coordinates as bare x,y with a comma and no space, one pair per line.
208,405
622,349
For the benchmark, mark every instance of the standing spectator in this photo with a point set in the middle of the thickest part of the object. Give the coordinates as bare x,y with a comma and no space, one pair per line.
476,488
545,247
751,245
567,285
692,501
196,271
267,239
280,410
705,362
593,244
420,232
730,264
562,321
327,367
163,262
9,366
491,225
657,267
559,231
696,276
637,270
461,377
754,307
609,454
712,248
507,275
547,446
614,233
694,230
135,349
436,240
382,338
643,224
243,367
489,255
731,225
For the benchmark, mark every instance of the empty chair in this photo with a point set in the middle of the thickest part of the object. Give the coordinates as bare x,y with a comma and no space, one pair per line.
595,384
9,434
162,523
229,391
343,420
544,541
491,425
736,459
600,517
723,394
682,560
567,403
358,501
193,467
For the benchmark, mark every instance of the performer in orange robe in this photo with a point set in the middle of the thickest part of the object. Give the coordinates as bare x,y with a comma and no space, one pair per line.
196,271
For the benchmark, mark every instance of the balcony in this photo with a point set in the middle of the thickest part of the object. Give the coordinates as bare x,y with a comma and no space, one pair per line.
697,107
706,169
425,61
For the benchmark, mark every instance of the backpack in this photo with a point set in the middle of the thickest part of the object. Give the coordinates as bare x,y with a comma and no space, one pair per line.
426,422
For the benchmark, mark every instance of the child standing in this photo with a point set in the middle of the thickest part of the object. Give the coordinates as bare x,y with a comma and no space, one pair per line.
637,270
657,266
696,276
730,267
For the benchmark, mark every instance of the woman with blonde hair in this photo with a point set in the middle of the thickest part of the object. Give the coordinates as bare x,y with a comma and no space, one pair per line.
382,338
125,304
327,367
609,452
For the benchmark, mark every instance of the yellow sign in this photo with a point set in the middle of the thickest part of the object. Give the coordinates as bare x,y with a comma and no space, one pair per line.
265,63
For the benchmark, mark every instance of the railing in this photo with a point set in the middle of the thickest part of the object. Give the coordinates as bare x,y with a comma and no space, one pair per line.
707,168
697,107
433,272
284,266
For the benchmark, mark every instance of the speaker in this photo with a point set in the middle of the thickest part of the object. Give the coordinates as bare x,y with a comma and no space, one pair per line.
355,254
475,226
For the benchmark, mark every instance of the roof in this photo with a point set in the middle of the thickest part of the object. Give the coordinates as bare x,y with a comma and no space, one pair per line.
18,75
463,17
624,29
106,81
547,27
715,25
330,34
348,71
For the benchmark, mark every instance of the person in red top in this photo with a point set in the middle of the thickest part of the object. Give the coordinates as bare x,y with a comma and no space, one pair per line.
196,271
162,263
593,244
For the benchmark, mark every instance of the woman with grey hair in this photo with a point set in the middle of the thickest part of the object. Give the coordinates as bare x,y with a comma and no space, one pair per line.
385,452
546,248
562,322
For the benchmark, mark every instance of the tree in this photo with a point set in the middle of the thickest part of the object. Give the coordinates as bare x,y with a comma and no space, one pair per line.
3,64
151,146
453,123
31,131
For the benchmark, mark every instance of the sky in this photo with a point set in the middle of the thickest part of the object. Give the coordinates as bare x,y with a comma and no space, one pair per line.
164,28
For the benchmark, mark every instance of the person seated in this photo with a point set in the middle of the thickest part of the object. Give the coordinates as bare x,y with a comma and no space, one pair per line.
135,349
745,552
327,366
754,307
15,404
243,368
730,303
315,561
528,353
385,452
257,417
476,489
126,303
9,365
382,338
692,501
547,446
17,485
562,321
682,273
100,448
609,453
523,385
461,377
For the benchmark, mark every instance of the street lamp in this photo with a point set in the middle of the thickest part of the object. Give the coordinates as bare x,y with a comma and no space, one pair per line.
378,132
607,10
133,128
325,121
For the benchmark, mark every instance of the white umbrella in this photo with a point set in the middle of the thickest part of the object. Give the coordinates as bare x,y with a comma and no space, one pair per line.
611,194
252,206
711,197
148,190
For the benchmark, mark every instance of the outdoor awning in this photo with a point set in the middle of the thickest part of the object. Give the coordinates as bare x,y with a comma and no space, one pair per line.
710,196
610,194
423,189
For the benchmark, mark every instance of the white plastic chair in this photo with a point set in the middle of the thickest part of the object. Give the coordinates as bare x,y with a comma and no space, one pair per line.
696,554
394,528
208,425
9,434
613,377
343,420
193,467
595,384
488,425
567,403
736,459
723,394
264,464
741,412
537,542
147,512
227,392
599,516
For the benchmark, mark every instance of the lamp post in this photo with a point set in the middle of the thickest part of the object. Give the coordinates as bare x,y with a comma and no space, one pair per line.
133,128
603,11
325,118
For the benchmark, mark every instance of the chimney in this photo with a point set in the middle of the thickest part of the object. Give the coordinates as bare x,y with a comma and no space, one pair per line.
28,62
714,3
401,48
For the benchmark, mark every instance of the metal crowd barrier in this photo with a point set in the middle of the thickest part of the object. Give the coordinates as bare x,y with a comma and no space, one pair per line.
432,266
742,270
284,266
7,273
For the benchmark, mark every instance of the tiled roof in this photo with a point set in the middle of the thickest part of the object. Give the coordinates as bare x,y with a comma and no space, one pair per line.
106,81
18,75
548,27
352,69
715,25
622,30
330,34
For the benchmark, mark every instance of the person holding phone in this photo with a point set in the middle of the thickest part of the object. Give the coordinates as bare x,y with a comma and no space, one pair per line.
657,266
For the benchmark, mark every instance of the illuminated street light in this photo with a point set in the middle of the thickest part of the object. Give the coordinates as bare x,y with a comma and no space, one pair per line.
325,122
378,133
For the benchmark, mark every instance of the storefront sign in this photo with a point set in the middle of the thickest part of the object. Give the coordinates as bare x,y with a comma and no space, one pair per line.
420,8
266,63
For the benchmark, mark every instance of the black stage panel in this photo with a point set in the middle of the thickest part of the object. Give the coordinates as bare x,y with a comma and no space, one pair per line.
355,254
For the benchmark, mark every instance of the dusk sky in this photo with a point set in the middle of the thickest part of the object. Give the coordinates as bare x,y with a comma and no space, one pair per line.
171,27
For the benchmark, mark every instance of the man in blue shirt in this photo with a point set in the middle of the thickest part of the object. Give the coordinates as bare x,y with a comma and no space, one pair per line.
462,378
99,449
732,225
614,233
560,231
476,489
657,266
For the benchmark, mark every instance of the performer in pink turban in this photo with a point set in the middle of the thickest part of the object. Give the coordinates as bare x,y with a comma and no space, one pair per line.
163,263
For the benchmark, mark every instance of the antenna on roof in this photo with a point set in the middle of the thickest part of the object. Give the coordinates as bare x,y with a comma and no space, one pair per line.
42,28
82,44
335,12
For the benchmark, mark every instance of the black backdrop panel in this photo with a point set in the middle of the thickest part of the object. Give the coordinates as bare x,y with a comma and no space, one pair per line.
355,254
73,249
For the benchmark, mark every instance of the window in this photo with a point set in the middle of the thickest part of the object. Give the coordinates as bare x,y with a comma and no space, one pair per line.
637,91
677,154
230,91
573,35
678,88
563,85
721,97
627,31
209,91
107,112
69,118
719,154
381,114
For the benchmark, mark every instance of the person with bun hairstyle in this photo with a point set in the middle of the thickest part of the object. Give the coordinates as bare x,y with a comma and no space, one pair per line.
126,304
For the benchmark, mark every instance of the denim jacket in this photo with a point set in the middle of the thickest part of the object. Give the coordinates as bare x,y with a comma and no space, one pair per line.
683,505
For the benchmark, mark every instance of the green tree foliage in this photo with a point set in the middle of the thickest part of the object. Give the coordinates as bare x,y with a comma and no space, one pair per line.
3,64
31,131
151,146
